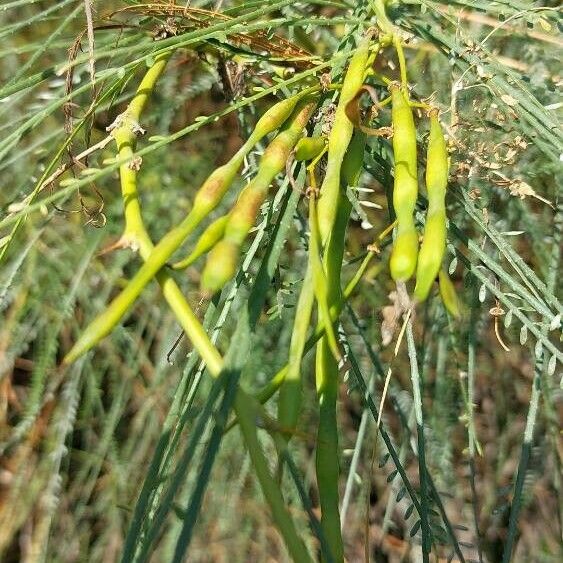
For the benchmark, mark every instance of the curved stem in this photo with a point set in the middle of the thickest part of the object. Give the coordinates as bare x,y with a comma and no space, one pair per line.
138,237
135,233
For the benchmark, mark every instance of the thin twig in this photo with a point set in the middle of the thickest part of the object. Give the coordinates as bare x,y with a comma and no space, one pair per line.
90,31
67,165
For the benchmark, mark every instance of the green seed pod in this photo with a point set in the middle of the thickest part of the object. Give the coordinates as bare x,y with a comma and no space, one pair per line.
308,148
339,140
326,365
245,211
290,398
276,116
212,234
354,159
449,295
434,240
214,188
320,283
405,188
401,263
243,215
291,392
221,265
431,253
207,198
437,167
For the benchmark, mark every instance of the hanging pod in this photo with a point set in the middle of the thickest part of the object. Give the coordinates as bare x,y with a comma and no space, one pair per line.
339,139
434,240
214,188
222,261
308,148
449,295
353,162
206,199
405,187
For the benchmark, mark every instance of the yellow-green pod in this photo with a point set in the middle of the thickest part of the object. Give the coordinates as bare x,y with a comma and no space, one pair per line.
403,256
276,116
243,214
449,295
339,139
405,187
320,283
434,241
214,188
213,233
308,148
354,159
431,253
273,160
221,266
437,168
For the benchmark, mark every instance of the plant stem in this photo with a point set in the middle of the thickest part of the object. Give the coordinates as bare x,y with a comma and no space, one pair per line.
247,421
136,235
540,365
422,470
327,462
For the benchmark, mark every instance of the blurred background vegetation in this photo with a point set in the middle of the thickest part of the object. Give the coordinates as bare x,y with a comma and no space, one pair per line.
76,444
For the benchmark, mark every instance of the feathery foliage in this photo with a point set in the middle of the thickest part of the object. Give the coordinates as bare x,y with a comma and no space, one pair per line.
163,440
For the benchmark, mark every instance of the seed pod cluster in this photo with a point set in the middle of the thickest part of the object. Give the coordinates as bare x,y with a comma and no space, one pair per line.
405,256
223,259
329,214
207,198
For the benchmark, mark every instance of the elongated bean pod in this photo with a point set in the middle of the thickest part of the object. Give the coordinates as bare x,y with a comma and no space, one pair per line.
339,139
288,379
326,366
222,260
206,199
320,283
214,188
354,159
289,403
434,241
405,187
326,375
290,398
449,295
308,148
207,240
